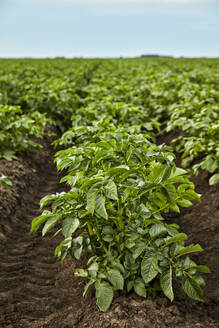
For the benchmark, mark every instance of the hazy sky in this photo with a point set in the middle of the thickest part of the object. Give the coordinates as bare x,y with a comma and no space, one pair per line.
108,28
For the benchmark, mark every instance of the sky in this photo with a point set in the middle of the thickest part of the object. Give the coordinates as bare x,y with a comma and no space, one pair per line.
109,28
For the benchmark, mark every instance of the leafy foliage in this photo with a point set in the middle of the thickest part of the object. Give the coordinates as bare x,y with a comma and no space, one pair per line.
121,184
16,129
120,187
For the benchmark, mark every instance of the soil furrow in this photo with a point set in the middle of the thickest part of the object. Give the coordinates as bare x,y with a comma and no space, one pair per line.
28,268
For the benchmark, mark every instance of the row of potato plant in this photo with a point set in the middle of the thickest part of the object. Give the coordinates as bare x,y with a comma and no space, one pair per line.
121,183
173,94
121,186
39,85
16,130
185,98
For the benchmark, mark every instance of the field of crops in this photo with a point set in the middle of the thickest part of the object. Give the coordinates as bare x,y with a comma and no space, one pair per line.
113,166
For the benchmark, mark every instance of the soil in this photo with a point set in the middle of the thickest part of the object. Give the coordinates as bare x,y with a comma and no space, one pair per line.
37,291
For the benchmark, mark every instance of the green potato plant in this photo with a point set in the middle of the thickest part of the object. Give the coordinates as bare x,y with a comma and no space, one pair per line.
120,189
16,129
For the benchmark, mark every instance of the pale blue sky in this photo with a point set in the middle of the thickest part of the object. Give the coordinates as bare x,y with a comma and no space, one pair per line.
109,28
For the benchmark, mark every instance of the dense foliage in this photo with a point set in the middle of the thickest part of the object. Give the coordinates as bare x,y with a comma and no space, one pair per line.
121,184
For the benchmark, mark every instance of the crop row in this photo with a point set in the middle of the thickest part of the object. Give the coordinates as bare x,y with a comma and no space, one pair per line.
121,183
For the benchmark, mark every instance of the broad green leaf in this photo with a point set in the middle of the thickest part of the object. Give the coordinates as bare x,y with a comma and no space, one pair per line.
45,200
175,208
130,285
184,202
178,172
119,170
93,269
166,283
100,206
171,192
214,179
140,247
190,249
157,230
111,190
191,194
192,288
118,266
139,288
50,223
157,172
129,243
177,238
116,279
77,252
149,266
40,219
69,226
104,295
91,197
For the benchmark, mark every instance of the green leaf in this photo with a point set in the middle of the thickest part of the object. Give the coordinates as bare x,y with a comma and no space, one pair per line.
184,202
9,155
157,173
190,249
166,283
45,200
167,171
191,194
149,266
203,268
5,181
139,288
104,295
69,226
178,171
50,223
100,206
77,252
91,197
214,179
192,288
93,269
130,285
116,279
81,273
175,208
157,230
177,238
140,247
111,190
87,286
40,219
119,170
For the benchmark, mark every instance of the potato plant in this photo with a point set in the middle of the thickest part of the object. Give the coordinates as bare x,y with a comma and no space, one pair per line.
121,186
16,129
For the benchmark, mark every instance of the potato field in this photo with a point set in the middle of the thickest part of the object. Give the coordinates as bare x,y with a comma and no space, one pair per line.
109,181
